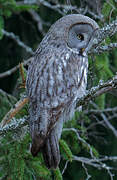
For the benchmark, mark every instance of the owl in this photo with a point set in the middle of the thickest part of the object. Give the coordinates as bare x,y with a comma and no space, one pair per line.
56,78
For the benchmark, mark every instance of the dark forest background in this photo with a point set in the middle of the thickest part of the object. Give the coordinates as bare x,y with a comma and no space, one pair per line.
89,141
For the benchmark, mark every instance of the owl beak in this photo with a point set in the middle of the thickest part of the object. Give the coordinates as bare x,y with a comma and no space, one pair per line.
82,50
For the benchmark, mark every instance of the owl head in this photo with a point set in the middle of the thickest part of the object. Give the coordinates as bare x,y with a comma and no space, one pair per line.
76,31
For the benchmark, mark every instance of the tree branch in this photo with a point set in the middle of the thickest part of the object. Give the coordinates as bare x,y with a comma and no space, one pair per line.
109,125
39,21
12,70
101,88
97,163
107,31
81,140
105,118
106,48
98,111
14,125
93,161
10,115
18,41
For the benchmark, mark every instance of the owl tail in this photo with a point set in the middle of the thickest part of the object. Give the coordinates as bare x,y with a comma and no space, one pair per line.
48,145
37,144
51,152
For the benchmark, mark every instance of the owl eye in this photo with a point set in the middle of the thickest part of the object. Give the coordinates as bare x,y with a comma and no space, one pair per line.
80,37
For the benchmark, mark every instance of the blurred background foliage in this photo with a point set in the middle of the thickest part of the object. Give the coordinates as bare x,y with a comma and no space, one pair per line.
16,162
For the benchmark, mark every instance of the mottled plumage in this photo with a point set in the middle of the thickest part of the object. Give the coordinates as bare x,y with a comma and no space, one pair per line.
56,78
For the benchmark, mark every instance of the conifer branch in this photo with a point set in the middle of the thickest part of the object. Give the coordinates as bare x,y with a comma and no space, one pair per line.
11,114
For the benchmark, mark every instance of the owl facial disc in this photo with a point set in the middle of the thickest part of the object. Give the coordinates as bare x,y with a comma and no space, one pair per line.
80,37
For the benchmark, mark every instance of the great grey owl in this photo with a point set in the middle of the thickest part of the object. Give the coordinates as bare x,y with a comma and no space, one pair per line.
56,78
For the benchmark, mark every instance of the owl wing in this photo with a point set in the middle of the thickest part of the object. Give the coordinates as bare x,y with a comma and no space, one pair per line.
51,92
48,87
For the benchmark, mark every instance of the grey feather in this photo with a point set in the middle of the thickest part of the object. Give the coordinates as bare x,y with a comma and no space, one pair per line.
56,78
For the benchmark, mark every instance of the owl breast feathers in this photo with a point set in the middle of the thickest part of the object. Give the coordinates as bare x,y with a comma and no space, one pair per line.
56,78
